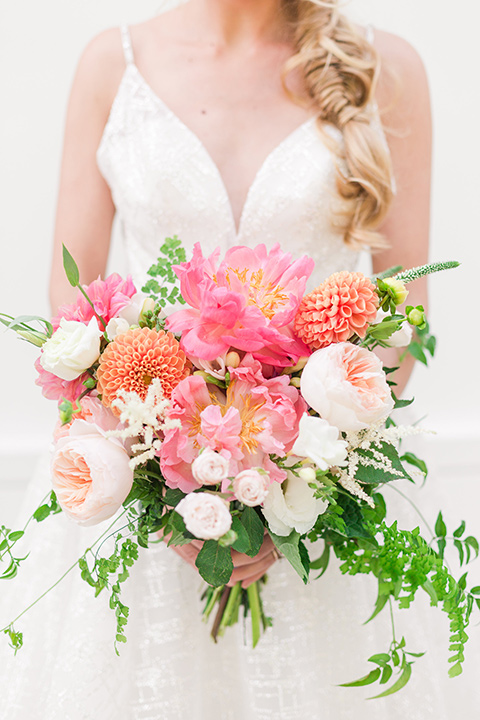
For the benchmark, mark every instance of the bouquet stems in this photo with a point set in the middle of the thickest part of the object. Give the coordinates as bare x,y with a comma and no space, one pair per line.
229,600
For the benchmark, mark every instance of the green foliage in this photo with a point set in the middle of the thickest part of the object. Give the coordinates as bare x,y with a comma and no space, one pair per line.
16,638
294,551
27,332
8,538
214,563
110,573
47,509
371,473
71,269
163,285
418,272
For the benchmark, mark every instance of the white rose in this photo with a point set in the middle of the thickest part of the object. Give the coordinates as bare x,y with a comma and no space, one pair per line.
292,506
251,487
206,516
401,337
347,386
210,468
91,474
128,316
318,441
72,349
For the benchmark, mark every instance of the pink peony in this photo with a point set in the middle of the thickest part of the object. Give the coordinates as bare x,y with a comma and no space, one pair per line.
54,388
249,303
347,386
109,297
255,418
92,411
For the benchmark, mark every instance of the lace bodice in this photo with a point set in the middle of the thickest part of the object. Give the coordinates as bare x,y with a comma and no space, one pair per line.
164,183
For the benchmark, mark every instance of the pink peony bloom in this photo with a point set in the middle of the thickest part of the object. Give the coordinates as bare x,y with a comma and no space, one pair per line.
109,297
255,418
92,411
54,388
249,303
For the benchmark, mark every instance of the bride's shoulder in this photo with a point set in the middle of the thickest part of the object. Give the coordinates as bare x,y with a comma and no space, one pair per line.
403,81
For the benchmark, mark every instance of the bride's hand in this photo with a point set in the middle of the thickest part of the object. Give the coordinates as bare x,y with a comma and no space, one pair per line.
246,569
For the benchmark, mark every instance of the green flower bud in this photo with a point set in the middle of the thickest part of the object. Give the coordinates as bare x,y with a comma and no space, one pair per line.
65,412
416,317
396,290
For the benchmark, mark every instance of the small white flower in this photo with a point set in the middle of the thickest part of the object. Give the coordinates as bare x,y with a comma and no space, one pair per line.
210,468
128,316
292,506
206,515
318,441
116,326
251,487
400,338
72,349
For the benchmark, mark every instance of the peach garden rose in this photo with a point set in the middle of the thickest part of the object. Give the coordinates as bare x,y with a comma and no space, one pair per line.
91,475
347,386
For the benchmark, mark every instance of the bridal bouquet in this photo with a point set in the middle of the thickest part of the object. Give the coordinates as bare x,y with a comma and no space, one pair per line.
222,404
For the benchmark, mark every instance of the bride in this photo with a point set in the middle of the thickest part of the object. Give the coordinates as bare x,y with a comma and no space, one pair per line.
230,122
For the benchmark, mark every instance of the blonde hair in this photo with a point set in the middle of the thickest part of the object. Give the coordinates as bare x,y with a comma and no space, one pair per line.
340,70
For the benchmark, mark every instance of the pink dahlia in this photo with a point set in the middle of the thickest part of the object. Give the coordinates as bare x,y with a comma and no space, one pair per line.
344,305
248,302
255,418
109,297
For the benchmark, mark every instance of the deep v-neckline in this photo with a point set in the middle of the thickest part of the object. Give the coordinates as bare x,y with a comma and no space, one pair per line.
237,230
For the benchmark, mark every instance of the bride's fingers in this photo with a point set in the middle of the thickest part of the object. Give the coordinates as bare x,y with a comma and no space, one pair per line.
240,559
248,573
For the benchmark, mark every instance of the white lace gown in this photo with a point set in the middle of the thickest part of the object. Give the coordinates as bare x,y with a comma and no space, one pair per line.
164,182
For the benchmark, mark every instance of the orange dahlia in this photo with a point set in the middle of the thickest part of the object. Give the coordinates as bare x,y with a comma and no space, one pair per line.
135,358
346,303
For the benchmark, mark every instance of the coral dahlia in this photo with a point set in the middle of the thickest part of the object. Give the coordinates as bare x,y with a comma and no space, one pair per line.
135,358
344,305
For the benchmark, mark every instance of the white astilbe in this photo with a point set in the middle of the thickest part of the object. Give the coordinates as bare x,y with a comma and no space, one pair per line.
354,487
145,420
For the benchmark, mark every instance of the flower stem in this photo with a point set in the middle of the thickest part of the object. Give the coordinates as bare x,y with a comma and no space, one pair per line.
221,607
230,607
255,612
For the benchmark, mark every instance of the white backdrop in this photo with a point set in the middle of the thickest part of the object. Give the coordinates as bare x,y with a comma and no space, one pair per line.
40,43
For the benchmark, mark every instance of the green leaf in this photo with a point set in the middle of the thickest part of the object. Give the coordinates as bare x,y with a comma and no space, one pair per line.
412,459
455,670
365,680
459,546
16,535
417,352
304,557
473,543
376,476
321,563
440,527
41,513
386,674
402,403
399,684
460,530
173,496
289,547
176,525
255,530
214,563
428,587
70,267
380,659
381,601
475,590
242,543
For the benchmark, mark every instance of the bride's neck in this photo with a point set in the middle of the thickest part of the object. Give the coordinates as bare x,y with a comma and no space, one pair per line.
234,22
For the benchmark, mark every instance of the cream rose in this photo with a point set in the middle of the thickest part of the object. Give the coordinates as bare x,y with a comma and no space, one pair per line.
347,386
210,468
72,349
292,506
129,315
318,441
91,475
206,516
251,487
401,337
